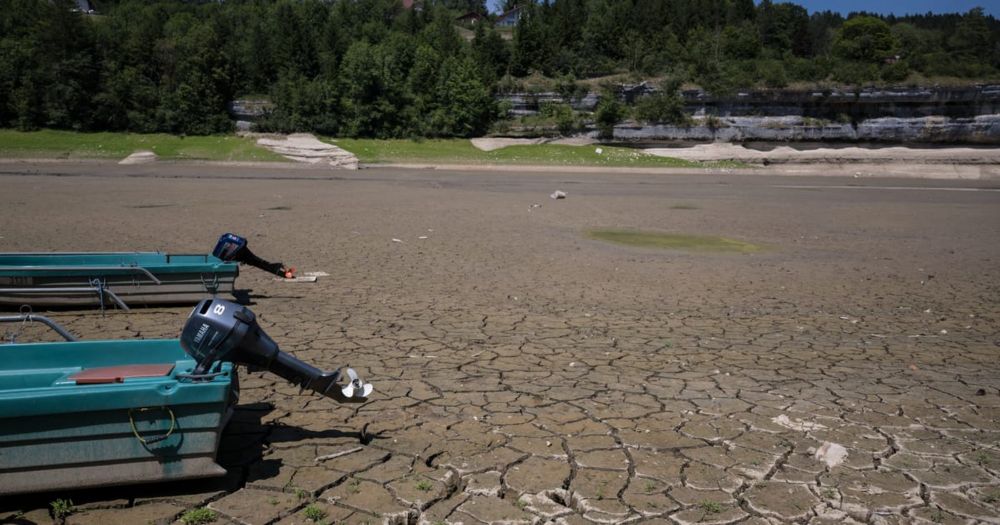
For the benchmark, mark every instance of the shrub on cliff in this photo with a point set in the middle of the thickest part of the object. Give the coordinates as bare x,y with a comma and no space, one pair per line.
666,106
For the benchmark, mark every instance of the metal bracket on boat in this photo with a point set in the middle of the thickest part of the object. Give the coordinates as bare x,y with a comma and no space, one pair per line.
154,439
212,286
28,317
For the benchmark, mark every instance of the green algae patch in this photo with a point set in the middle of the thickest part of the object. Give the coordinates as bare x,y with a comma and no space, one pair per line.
671,241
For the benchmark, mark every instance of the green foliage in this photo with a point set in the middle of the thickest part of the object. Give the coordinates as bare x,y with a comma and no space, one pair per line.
302,104
314,513
609,112
664,106
972,36
463,106
784,27
772,73
741,42
370,68
61,508
855,73
66,144
530,51
865,39
711,507
569,89
565,119
490,52
896,71
671,241
424,485
198,516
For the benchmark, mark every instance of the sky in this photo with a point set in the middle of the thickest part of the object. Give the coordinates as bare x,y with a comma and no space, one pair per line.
901,7
898,7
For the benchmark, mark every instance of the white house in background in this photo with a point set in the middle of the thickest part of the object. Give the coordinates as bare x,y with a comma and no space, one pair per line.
509,18
84,6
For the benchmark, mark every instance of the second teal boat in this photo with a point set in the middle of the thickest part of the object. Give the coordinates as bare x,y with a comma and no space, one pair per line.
112,278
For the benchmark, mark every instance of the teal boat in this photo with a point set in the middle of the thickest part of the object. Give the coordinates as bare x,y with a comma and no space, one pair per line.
80,414
120,278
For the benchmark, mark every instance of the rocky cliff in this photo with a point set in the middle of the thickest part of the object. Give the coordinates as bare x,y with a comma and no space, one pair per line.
968,114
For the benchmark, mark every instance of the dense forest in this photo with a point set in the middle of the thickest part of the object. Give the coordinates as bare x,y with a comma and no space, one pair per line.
377,68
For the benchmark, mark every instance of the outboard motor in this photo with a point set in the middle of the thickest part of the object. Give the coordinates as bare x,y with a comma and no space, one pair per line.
232,247
220,330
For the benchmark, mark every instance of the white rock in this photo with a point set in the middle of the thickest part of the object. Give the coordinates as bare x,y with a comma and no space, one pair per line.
831,453
139,157
304,147
796,424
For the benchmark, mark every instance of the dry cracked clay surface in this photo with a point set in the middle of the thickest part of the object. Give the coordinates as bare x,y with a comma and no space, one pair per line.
847,373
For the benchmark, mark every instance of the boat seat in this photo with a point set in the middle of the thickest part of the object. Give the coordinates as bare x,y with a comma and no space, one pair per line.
118,374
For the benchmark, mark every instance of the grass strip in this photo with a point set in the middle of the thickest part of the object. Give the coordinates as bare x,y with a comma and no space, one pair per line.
75,145
671,241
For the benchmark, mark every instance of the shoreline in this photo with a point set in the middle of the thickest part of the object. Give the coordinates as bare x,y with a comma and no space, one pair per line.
886,169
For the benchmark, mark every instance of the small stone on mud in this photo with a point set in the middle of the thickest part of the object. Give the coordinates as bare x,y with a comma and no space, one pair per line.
981,392
832,454
796,424
558,194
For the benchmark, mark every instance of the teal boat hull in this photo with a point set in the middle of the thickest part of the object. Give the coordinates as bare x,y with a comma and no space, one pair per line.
57,434
93,279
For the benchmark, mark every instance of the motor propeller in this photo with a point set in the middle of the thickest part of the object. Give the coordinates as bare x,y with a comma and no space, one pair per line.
232,247
220,330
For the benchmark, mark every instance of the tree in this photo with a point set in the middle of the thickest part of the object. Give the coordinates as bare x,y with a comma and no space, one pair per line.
529,52
196,97
972,35
784,27
491,53
865,38
608,113
664,106
303,105
740,11
741,42
465,107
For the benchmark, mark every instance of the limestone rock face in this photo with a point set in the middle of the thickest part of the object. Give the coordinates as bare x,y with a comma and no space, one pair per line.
982,129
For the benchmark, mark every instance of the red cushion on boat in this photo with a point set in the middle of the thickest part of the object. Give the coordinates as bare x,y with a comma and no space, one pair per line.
118,374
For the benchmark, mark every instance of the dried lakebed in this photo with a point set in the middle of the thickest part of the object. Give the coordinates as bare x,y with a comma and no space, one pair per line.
527,374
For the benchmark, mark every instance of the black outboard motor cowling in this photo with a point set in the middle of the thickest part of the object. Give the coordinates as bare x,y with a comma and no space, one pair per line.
232,247
220,330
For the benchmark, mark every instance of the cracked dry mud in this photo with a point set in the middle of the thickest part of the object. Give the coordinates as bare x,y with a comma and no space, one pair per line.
524,374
